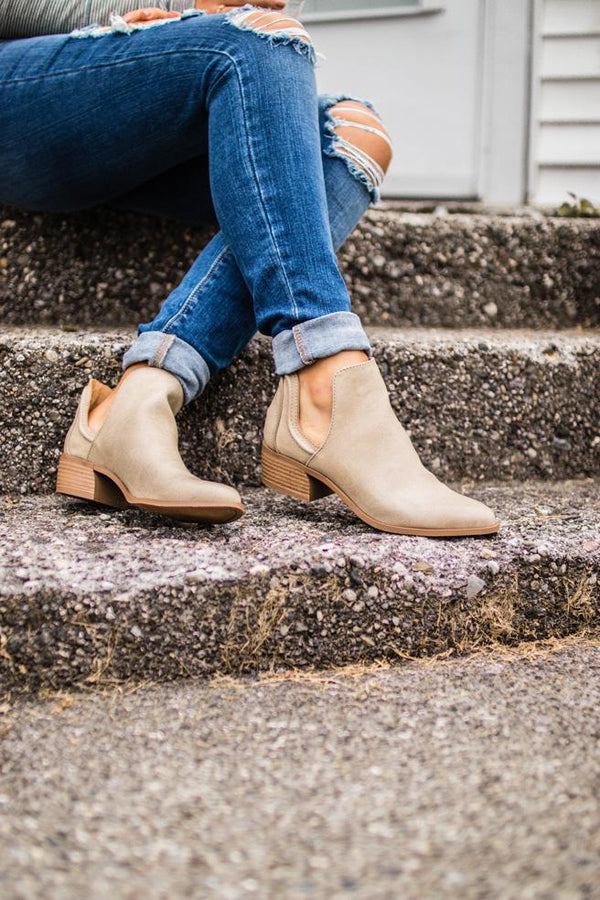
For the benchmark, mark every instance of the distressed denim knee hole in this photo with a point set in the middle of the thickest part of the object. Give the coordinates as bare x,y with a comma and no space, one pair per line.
348,115
276,28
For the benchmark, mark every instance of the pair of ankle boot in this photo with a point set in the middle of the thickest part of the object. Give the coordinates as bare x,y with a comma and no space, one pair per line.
367,458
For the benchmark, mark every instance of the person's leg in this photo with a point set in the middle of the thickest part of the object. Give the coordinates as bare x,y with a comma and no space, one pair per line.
79,127
89,113
252,254
288,286
94,115
357,146
213,295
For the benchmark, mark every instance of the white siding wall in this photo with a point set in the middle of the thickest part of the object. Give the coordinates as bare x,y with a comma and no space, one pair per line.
424,73
566,101
453,86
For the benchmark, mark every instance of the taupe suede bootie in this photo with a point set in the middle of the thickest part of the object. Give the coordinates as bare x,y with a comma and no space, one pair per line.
134,460
367,459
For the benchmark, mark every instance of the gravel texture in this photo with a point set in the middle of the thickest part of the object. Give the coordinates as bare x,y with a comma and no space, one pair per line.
464,780
472,270
509,405
106,266
88,596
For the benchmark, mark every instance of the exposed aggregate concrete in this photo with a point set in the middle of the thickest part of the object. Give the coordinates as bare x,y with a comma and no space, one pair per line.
509,405
88,596
470,270
105,266
465,780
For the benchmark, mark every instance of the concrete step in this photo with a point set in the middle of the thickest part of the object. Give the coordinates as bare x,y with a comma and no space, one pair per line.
89,596
107,267
478,404
458,780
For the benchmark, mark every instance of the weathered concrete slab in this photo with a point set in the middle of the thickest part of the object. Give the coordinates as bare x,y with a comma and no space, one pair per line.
88,596
463,271
109,267
479,404
463,780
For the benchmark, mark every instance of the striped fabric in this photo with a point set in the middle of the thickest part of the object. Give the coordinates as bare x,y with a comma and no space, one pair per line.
28,18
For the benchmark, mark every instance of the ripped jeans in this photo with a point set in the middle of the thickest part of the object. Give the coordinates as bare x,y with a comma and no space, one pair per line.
203,117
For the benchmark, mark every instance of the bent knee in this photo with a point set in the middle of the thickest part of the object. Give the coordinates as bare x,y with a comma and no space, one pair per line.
270,23
360,127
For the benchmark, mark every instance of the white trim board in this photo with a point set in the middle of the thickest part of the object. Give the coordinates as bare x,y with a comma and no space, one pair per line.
350,15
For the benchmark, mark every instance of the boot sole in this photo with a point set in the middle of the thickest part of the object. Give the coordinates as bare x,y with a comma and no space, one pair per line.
88,481
287,476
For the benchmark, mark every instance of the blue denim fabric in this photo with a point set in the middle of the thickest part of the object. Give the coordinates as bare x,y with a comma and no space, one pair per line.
234,119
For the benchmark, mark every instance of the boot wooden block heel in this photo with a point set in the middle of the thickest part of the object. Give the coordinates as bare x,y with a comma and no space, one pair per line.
289,477
78,478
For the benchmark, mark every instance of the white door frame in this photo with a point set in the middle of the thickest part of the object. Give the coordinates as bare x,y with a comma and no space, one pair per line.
507,45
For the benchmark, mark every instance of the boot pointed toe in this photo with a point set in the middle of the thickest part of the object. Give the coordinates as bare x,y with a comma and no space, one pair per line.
224,501
470,517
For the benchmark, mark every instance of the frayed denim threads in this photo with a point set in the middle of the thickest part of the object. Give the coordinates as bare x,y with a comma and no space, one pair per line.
118,25
359,164
295,36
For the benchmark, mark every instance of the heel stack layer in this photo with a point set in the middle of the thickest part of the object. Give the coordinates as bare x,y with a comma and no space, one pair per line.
289,477
77,478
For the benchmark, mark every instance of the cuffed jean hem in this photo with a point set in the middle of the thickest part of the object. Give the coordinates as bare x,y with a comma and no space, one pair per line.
317,339
167,351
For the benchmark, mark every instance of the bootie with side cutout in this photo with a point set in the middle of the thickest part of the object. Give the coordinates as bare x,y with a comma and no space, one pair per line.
134,460
367,459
